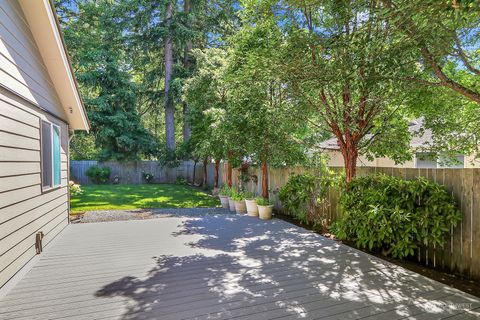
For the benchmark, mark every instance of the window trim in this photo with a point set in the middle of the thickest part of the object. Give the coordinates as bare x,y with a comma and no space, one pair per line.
52,186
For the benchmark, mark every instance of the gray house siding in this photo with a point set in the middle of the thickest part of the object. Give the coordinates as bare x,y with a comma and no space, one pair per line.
27,97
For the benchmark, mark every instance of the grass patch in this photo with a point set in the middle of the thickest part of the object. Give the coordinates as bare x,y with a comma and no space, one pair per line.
145,196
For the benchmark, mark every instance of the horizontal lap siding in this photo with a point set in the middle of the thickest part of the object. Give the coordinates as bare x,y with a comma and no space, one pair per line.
21,66
25,89
24,208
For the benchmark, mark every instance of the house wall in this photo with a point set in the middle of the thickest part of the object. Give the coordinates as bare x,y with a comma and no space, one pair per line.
335,159
26,97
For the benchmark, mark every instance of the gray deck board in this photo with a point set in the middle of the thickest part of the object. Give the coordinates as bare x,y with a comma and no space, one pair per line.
220,267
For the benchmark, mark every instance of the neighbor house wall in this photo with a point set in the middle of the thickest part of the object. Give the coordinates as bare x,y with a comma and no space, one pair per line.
335,159
26,97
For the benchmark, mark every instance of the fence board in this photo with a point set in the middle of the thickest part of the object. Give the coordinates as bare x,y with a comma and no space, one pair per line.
131,172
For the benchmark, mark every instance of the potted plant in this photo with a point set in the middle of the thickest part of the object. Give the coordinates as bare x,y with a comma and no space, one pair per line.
265,208
239,200
147,176
251,204
231,202
223,194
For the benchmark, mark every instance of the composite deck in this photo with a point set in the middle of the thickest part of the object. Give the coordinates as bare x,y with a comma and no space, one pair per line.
220,267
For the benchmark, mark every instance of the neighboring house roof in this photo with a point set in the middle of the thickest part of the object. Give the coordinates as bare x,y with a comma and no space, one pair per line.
420,137
44,26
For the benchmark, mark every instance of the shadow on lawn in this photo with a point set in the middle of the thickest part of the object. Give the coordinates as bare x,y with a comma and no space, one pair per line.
243,266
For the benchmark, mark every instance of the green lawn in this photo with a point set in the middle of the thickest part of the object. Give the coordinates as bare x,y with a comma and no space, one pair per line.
119,197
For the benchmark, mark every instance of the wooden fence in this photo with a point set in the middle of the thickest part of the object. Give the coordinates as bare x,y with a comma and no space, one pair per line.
461,252
132,172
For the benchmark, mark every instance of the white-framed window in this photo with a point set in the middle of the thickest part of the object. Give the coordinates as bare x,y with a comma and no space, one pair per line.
431,160
51,161
457,162
425,160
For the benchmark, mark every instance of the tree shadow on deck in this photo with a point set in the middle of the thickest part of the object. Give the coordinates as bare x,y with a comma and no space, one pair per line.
271,269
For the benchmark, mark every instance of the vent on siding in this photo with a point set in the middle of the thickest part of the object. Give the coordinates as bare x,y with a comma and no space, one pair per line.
38,242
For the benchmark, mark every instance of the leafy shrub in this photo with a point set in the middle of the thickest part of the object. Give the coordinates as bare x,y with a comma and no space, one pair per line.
304,194
181,181
248,195
263,202
148,177
74,188
225,191
99,174
237,196
395,216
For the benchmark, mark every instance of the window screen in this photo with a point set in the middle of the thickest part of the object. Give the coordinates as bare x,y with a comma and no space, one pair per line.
47,154
56,155
426,160
51,162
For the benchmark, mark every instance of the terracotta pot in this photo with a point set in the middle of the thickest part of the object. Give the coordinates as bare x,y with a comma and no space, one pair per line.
231,204
240,206
224,202
265,212
252,208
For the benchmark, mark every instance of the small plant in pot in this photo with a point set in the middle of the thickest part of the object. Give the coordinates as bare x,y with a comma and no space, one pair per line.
223,194
265,208
251,203
239,200
231,202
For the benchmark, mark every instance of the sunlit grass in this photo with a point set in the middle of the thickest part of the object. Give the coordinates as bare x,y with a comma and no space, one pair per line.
126,197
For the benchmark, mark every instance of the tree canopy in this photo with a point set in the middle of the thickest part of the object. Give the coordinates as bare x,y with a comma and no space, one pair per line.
266,81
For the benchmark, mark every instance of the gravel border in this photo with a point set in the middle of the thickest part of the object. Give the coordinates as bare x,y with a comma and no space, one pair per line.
142,214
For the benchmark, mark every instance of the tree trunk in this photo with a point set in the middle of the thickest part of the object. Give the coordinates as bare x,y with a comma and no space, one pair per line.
186,63
169,106
264,179
194,169
205,163
350,156
229,169
215,181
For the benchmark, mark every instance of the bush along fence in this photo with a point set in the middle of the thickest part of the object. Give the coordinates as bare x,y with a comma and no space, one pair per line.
138,172
461,250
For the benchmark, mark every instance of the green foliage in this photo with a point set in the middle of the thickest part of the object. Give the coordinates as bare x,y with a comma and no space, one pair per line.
237,195
261,109
207,95
98,174
394,215
82,147
148,177
248,195
74,188
225,190
261,201
94,33
304,194
181,181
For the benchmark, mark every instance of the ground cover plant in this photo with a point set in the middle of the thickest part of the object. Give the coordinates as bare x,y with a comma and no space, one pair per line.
126,197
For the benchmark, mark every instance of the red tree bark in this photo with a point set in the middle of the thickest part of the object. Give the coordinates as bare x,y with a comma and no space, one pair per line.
229,169
205,164
264,179
350,156
217,164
